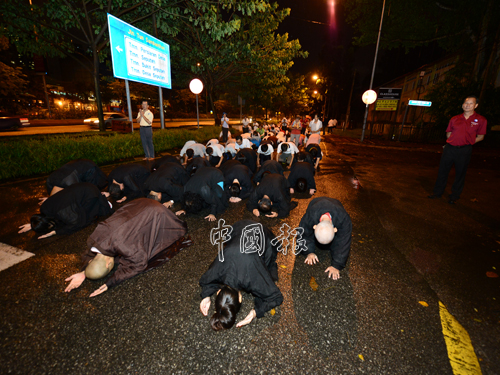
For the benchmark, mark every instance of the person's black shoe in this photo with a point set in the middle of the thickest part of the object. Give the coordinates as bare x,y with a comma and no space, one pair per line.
434,196
451,201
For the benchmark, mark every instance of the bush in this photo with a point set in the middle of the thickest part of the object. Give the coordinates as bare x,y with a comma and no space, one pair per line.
26,157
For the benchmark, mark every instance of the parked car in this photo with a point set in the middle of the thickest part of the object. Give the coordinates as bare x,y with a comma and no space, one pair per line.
9,121
108,117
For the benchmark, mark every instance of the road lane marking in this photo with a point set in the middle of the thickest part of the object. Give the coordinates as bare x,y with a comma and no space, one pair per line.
463,360
10,255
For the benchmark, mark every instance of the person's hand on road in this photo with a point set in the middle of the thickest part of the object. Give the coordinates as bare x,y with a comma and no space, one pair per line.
102,289
333,273
105,193
292,191
210,217
311,259
312,191
43,199
180,212
205,305
248,319
168,204
75,281
272,214
25,228
50,234
256,212
234,199
122,200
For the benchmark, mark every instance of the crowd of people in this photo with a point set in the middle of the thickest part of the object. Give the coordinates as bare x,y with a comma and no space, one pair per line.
204,178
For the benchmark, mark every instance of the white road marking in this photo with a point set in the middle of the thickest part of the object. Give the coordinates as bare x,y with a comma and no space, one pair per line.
10,255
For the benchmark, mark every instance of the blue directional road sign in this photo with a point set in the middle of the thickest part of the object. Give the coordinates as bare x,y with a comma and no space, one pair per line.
420,103
138,56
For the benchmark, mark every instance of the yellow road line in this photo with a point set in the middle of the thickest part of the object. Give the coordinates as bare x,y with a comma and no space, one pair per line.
463,360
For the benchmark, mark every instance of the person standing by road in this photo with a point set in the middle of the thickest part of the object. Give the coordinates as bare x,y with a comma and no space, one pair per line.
225,127
145,120
463,131
245,125
316,125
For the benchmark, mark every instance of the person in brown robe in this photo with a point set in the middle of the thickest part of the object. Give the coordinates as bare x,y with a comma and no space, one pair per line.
141,235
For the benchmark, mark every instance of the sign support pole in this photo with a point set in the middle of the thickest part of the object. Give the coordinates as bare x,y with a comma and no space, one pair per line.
129,105
197,112
403,124
162,119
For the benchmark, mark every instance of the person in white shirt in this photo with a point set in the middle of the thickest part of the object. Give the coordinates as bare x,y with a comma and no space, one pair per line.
225,127
215,154
331,125
145,119
286,152
316,125
242,143
213,141
245,122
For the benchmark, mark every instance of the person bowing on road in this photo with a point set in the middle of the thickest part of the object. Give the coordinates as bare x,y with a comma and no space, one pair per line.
324,218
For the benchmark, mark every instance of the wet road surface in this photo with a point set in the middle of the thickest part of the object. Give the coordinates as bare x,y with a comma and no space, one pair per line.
406,249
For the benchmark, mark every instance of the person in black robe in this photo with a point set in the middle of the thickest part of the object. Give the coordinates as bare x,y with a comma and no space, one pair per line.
301,178
205,189
270,166
127,182
81,170
325,217
140,236
166,185
303,156
238,180
248,157
165,159
195,164
314,150
273,192
252,269
68,211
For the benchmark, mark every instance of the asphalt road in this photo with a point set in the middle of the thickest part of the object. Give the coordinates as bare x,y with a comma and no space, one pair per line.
406,249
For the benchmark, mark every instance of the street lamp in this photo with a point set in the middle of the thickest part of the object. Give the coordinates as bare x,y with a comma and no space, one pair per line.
373,70
315,77
196,86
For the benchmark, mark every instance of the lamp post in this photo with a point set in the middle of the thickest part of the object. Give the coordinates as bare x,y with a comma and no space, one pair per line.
373,71
369,97
196,86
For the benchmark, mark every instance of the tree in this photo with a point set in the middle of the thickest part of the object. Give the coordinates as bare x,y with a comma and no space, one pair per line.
228,42
69,28
458,26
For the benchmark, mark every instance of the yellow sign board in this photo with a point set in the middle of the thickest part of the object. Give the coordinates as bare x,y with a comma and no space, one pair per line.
386,105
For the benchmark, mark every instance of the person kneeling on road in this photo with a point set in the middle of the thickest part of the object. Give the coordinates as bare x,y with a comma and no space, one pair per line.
325,217
143,234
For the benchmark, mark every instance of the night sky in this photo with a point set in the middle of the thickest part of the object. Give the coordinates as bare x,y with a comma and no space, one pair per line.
333,30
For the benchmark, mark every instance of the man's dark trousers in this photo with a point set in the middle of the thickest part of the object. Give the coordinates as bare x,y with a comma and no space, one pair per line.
460,157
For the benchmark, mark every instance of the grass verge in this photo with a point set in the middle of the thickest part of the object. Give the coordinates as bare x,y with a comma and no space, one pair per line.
27,157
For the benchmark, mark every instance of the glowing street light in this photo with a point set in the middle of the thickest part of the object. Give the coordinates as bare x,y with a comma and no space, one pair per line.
315,77
369,97
196,86
315,92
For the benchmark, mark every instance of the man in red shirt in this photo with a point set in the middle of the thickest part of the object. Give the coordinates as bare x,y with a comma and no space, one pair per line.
463,131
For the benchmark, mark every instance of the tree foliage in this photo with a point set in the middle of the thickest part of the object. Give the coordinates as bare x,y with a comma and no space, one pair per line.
470,30
231,44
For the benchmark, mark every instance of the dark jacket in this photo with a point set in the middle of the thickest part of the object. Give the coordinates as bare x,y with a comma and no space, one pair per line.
75,207
81,170
169,180
341,244
276,187
208,182
240,172
302,170
133,177
247,271
270,166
